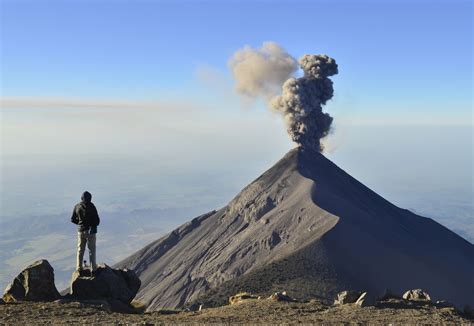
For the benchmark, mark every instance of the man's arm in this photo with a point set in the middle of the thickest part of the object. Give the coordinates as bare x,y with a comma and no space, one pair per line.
95,220
96,217
74,217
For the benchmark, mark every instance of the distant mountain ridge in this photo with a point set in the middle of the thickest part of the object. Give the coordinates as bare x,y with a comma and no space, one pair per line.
307,227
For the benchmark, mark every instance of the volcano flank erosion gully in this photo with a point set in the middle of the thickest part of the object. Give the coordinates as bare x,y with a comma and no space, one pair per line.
307,227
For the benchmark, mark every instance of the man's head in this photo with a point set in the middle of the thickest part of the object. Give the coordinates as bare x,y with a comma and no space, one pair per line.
86,196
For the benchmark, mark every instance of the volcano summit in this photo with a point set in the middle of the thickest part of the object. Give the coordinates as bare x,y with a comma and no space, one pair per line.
307,227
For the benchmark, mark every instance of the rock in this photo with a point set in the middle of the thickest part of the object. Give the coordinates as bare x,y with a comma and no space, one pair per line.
34,283
273,241
416,295
345,297
194,307
114,285
365,300
389,294
240,297
168,312
444,304
281,296
468,311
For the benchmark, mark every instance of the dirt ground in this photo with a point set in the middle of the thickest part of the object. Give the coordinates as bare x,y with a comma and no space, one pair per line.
250,312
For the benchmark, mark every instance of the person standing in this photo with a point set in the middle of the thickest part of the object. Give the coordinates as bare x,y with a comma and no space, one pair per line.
87,219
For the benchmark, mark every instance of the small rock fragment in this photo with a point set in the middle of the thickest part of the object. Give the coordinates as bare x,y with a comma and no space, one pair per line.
348,296
240,297
389,294
468,311
194,307
444,304
281,296
416,295
365,300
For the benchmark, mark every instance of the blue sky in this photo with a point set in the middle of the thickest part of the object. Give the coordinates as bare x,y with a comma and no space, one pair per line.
396,58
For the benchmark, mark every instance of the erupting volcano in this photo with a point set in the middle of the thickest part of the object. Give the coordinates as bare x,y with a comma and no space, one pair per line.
305,225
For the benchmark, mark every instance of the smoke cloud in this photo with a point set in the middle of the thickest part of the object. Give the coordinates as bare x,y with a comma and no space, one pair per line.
302,99
258,72
261,72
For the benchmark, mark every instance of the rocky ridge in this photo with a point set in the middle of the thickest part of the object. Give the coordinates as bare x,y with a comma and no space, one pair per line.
105,297
263,311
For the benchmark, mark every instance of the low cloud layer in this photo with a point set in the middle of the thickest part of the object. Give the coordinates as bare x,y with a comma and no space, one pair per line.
26,102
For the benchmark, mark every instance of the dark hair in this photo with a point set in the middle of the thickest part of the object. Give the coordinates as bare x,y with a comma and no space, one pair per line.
86,196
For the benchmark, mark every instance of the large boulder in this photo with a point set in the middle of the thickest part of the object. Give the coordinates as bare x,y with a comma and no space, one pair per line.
416,295
34,283
346,297
106,283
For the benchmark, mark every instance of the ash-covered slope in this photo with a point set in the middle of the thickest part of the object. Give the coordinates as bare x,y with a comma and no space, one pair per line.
308,227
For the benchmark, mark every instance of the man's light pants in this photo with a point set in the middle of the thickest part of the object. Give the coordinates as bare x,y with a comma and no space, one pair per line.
83,238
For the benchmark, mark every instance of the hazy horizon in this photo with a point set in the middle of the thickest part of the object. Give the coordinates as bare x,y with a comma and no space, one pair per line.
419,177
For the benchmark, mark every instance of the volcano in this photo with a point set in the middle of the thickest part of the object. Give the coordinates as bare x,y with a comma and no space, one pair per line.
307,227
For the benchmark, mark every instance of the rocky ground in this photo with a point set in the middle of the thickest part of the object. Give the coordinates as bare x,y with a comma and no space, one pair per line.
392,311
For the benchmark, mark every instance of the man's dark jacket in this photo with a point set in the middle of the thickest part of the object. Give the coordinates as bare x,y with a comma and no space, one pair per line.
85,216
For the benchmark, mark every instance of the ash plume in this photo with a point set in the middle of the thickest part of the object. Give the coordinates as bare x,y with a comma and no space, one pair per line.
262,72
302,99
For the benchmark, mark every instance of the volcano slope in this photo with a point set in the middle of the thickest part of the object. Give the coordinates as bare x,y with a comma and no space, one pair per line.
307,227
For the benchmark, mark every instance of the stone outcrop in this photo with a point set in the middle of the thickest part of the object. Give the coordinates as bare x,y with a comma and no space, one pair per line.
366,299
361,299
346,297
34,283
389,294
444,304
195,307
416,295
106,283
240,297
468,311
281,296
